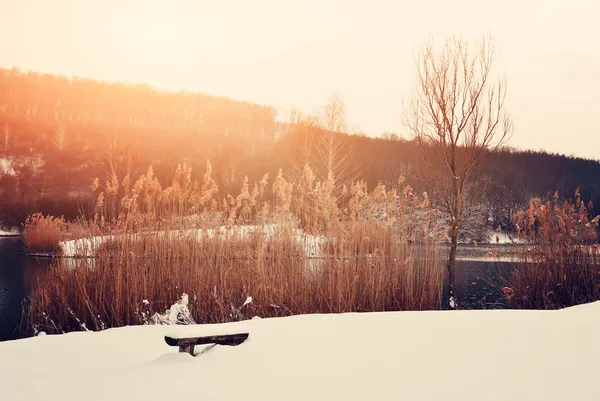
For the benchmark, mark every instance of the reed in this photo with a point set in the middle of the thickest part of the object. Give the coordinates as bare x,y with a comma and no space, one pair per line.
293,250
42,234
560,265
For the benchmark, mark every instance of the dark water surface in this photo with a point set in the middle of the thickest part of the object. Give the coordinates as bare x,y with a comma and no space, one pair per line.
18,274
477,284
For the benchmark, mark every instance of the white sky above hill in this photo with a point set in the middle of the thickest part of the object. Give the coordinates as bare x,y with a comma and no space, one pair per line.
299,53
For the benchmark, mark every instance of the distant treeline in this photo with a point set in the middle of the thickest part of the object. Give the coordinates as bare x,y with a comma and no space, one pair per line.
62,100
58,134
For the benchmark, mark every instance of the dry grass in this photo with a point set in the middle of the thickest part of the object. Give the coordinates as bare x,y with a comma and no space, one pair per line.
43,233
375,251
561,265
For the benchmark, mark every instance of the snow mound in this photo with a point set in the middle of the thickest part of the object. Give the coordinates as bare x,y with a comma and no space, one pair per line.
443,355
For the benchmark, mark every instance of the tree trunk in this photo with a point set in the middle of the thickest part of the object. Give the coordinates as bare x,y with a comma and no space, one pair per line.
454,232
452,300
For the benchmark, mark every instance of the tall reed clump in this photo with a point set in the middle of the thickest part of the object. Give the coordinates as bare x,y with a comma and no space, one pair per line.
42,234
560,264
290,249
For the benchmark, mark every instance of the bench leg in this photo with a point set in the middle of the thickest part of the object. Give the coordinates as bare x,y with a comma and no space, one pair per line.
189,348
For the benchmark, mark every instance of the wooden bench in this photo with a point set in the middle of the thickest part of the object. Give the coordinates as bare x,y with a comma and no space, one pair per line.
186,344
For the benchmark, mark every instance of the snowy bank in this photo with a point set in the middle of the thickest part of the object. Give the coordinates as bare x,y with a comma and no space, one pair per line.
86,247
13,232
462,356
503,238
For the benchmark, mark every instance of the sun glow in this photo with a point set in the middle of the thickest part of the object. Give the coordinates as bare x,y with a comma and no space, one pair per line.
156,34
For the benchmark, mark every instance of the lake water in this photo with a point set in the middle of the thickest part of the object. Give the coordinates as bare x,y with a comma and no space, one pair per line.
18,274
477,284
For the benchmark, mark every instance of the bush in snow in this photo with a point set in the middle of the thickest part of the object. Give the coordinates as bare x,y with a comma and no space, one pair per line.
178,313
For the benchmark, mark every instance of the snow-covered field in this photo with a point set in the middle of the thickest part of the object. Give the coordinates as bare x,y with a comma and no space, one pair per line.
444,355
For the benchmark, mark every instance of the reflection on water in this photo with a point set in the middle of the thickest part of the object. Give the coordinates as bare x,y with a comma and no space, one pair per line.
18,274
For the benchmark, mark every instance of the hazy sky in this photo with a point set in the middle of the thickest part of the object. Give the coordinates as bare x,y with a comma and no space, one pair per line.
298,53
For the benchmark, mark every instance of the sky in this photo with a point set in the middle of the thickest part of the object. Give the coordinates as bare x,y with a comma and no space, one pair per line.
290,53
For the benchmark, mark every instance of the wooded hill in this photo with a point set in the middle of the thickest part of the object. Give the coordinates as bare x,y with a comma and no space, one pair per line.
58,134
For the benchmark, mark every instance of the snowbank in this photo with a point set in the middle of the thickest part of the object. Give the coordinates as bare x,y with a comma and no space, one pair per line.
85,247
462,356
10,233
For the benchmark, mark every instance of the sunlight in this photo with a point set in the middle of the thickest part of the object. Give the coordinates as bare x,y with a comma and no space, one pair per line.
158,33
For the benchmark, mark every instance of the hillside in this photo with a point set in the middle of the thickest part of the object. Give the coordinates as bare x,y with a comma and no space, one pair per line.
58,134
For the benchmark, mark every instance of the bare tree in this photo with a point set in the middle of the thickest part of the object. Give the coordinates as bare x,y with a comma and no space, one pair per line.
61,141
322,144
457,115
334,123
333,155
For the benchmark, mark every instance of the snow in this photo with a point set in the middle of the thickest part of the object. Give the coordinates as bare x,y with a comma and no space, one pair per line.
490,259
502,238
85,247
9,233
492,355
248,301
7,166
178,313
